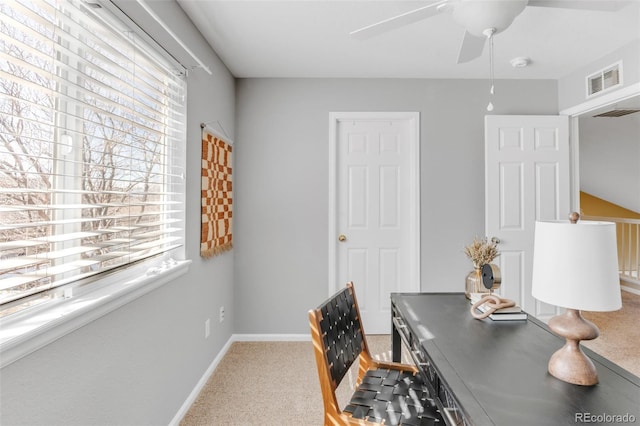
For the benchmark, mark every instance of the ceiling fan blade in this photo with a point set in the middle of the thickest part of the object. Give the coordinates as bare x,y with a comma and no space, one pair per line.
601,5
471,47
398,21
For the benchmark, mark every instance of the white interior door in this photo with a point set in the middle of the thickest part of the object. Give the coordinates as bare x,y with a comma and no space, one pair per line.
527,178
375,239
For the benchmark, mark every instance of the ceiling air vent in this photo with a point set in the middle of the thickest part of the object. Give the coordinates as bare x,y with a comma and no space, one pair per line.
604,79
617,113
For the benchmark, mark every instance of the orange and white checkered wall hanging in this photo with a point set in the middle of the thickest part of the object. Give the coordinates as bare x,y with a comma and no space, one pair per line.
217,197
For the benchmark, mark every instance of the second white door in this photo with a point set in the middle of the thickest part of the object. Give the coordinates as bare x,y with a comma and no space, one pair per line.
527,179
377,239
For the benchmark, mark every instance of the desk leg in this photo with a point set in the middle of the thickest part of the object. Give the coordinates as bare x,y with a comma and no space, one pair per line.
396,344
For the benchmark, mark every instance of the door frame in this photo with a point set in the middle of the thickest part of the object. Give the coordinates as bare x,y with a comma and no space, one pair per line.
574,114
413,190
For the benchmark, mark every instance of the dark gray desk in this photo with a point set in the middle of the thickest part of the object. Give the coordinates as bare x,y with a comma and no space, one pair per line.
495,372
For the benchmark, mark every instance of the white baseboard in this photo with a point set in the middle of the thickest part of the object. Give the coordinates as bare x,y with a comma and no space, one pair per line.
271,337
214,364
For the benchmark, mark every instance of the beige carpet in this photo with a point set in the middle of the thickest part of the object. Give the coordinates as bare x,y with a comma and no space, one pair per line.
270,383
619,338
275,383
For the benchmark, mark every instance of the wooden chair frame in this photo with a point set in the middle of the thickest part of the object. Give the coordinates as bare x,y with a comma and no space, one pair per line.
333,415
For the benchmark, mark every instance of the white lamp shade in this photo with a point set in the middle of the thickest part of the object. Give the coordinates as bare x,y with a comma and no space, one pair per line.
575,265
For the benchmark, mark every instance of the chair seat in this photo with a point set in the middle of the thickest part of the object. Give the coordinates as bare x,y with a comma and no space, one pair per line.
388,392
395,397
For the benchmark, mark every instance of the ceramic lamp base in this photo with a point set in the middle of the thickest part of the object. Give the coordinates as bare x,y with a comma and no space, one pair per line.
570,364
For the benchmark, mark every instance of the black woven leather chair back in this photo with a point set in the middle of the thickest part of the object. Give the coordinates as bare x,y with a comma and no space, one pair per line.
342,332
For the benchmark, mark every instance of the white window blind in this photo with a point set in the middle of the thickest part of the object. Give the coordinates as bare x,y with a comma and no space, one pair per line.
92,143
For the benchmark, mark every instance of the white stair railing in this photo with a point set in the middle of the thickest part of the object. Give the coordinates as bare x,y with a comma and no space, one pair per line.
628,235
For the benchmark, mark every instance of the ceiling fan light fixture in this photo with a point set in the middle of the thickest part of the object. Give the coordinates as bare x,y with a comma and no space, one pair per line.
478,15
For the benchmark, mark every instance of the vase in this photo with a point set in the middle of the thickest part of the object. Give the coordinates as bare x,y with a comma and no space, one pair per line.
473,283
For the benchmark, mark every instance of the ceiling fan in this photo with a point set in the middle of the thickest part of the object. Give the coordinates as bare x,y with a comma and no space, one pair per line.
481,19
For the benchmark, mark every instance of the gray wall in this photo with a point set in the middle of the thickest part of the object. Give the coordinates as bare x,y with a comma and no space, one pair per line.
610,159
281,246
137,365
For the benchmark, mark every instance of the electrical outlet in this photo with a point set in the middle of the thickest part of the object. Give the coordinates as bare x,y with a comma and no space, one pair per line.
221,313
207,328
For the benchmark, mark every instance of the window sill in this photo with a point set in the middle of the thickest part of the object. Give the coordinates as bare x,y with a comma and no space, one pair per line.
28,331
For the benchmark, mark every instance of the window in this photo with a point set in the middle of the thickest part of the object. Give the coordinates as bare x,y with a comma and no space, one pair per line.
92,145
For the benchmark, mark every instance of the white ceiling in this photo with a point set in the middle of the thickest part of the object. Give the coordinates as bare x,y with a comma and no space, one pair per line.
310,38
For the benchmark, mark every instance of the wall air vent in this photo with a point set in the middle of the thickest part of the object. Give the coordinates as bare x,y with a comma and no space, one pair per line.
617,113
604,79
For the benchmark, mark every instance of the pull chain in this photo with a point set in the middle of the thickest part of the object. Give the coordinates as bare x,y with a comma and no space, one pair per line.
489,33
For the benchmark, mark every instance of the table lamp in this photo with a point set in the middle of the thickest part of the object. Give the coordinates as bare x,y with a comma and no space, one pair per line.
575,266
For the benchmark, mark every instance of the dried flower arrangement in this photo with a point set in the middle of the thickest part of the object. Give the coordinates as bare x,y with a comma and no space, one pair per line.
481,251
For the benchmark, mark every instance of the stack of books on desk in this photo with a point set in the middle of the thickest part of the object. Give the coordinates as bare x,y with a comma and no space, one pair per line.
513,313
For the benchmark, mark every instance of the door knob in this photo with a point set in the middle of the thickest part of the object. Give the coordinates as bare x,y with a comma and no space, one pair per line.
495,240
342,238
